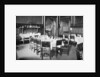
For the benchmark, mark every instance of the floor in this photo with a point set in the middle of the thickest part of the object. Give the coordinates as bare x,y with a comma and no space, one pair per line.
23,52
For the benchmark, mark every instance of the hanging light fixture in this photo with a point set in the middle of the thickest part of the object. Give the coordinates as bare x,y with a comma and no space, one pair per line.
70,28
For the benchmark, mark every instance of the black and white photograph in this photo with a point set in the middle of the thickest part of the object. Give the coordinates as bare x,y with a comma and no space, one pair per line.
49,38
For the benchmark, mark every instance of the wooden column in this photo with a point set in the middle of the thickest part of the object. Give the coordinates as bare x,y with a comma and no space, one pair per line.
44,25
42,20
57,27
58,24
